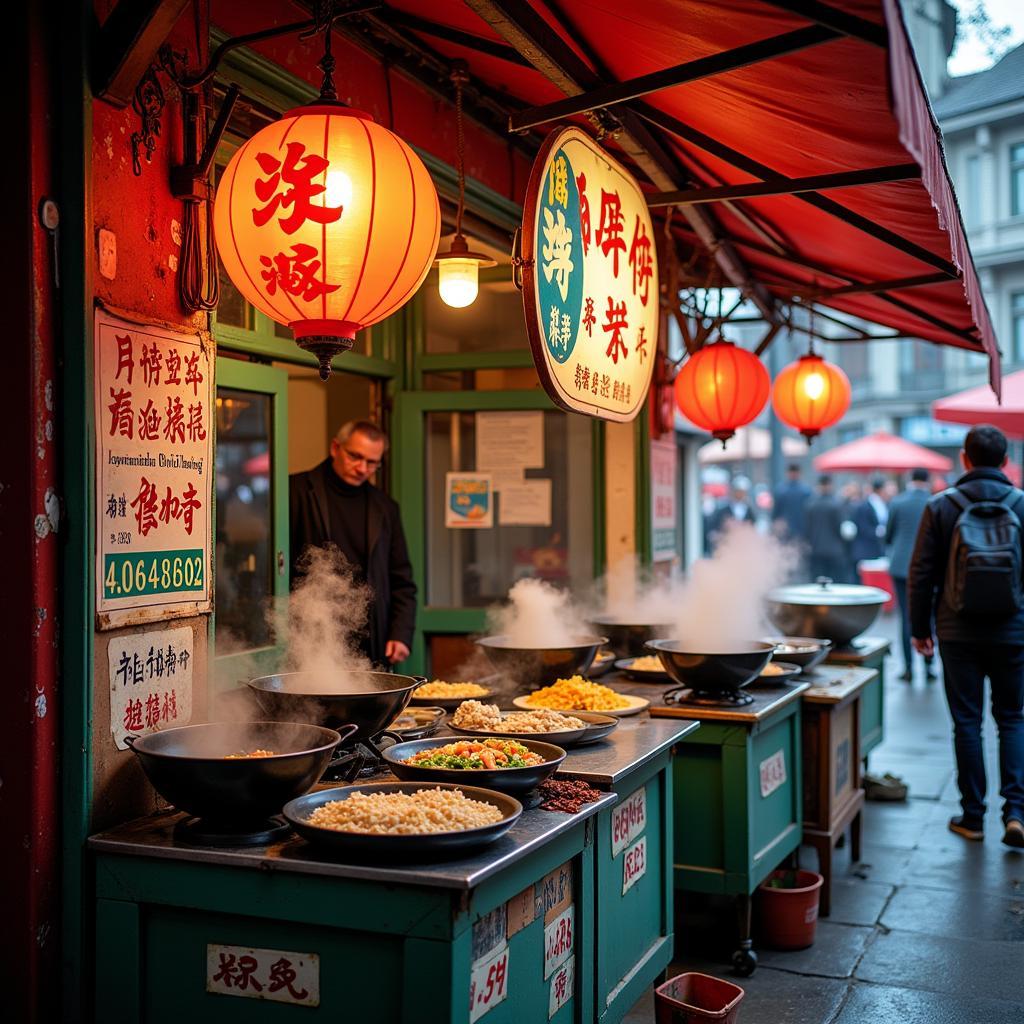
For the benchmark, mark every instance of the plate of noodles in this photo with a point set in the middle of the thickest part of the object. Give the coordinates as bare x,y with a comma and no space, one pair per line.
442,694
579,694
567,730
403,819
645,669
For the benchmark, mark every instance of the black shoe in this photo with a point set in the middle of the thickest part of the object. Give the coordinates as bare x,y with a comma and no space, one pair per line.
968,829
907,677
930,674
1014,834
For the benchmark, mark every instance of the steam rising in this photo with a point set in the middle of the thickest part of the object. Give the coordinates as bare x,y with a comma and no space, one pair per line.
327,612
538,615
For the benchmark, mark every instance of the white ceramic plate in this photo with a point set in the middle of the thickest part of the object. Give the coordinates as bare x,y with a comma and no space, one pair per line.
636,705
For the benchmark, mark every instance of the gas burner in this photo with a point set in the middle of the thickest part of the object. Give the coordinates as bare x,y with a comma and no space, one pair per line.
708,699
198,832
361,760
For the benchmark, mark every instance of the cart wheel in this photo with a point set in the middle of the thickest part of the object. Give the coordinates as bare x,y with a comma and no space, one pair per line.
744,962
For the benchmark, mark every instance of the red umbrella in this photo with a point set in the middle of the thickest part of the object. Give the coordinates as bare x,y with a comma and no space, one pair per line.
881,452
979,405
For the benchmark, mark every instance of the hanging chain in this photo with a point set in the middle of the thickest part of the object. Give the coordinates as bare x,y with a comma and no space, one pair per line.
460,76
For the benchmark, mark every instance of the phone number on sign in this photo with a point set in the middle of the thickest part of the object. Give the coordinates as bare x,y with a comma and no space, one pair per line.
155,572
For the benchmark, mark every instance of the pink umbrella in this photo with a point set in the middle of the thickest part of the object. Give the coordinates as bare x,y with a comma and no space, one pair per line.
978,405
883,453
258,465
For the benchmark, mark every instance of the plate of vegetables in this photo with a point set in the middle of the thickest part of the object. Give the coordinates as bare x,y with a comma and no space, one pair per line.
498,762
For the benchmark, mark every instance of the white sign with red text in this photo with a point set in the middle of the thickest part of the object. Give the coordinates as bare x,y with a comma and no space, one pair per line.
629,818
488,983
561,988
558,941
150,682
274,974
154,447
634,864
773,772
664,500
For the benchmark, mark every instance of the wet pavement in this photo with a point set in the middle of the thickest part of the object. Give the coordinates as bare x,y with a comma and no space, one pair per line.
927,928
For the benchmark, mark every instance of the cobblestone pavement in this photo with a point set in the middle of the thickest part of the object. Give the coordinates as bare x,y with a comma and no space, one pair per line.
926,929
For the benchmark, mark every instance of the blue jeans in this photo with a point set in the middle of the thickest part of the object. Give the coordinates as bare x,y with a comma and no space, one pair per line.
964,667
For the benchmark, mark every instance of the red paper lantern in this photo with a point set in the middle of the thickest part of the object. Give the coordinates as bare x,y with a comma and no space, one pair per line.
326,222
722,387
811,395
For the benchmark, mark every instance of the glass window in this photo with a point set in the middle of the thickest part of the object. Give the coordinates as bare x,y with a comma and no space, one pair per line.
972,197
493,323
244,537
922,366
853,358
1017,179
1017,323
475,568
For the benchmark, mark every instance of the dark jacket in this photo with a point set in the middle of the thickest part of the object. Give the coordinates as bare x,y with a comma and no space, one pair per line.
388,572
722,515
867,544
905,511
927,576
789,504
823,517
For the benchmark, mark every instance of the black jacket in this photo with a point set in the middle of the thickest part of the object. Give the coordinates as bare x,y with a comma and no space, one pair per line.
389,571
905,512
823,517
927,576
867,544
789,503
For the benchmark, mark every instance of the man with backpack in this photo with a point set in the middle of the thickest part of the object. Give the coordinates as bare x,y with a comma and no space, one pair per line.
968,571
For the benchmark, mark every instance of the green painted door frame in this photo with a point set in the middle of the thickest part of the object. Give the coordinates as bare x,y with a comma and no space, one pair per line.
263,380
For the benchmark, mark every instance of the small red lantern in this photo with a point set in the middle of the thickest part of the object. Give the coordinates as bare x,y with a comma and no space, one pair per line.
722,387
811,395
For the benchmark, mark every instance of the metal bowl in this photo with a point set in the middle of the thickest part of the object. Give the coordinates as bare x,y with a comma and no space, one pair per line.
785,671
361,844
189,767
541,666
809,651
627,639
369,700
712,671
837,611
505,780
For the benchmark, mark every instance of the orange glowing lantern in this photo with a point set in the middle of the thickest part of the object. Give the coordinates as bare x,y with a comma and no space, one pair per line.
811,395
326,222
722,387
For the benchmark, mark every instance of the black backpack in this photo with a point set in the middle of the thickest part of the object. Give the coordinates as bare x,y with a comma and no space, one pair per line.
984,572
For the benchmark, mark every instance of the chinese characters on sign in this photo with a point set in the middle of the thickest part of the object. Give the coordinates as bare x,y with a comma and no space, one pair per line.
273,974
561,988
634,864
154,441
590,279
488,979
664,501
150,682
773,772
629,818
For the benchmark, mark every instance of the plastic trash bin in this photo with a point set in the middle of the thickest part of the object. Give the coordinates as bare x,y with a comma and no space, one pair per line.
692,998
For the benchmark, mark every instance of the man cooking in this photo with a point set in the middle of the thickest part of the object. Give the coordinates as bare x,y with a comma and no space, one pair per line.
335,503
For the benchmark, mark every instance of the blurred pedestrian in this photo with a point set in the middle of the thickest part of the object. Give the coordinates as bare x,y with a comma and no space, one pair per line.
789,505
905,514
850,498
870,516
736,507
826,550
969,558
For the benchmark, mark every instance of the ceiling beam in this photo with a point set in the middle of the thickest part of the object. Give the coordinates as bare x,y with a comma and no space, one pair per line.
526,30
897,285
413,22
785,186
691,71
128,43
746,163
831,17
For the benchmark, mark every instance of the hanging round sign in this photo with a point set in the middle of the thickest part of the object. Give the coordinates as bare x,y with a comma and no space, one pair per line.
590,279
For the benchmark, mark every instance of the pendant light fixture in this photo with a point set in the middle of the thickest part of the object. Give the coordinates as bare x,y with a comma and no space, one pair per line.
326,221
458,268
722,387
811,394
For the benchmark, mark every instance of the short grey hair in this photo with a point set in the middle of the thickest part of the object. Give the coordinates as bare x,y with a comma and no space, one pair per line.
364,427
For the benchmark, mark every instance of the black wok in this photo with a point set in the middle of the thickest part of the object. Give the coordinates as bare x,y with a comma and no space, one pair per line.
368,700
627,639
541,666
712,671
190,768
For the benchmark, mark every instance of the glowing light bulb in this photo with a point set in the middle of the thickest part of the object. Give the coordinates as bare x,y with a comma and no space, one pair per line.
814,386
457,281
338,190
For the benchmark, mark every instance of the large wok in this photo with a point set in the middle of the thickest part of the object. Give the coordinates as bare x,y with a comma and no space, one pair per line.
835,611
368,700
712,671
189,767
541,666
627,638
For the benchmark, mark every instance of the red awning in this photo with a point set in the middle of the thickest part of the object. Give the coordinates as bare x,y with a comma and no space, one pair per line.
881,452
979,405
842,97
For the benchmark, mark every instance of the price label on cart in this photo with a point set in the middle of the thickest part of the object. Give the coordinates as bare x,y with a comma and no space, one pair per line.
629,818
561,988
634,864
488,984
558,940
773,772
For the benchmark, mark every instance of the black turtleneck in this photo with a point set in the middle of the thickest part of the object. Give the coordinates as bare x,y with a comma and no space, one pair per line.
348,510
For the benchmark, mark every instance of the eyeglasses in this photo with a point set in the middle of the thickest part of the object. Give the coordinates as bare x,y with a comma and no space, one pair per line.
356,458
